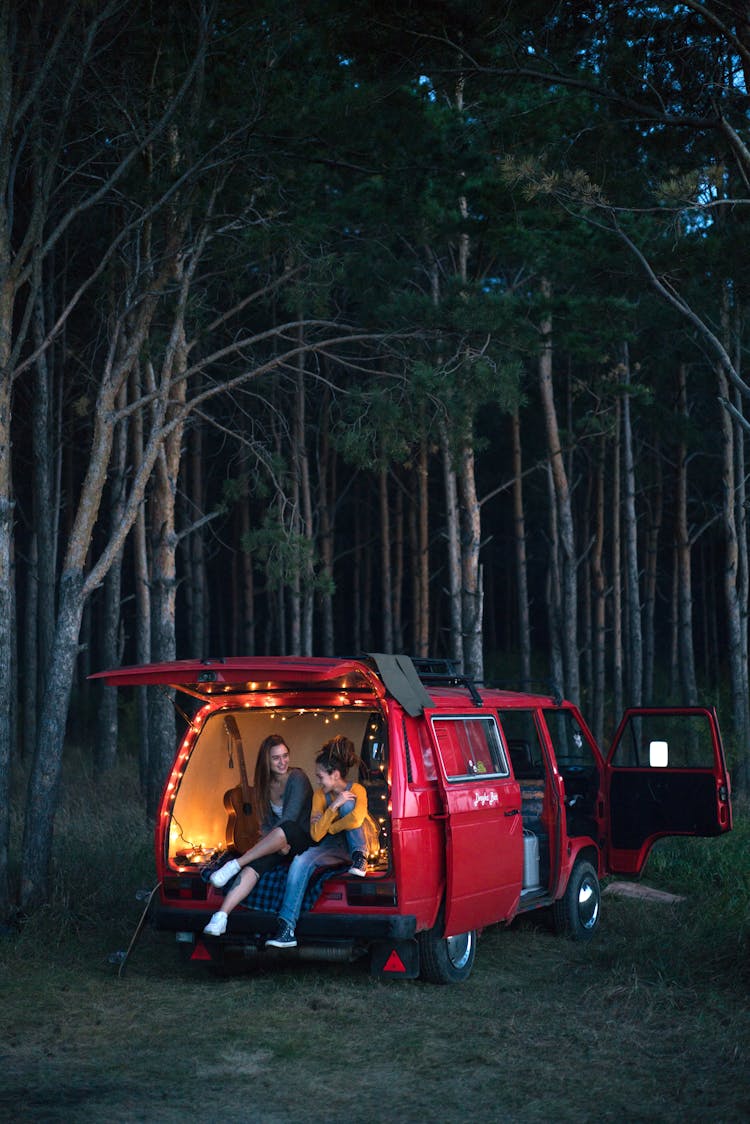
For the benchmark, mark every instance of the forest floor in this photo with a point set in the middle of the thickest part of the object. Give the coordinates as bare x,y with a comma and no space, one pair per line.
650,1021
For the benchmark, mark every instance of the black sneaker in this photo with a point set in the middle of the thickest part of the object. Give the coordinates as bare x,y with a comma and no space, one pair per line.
284,938
359,865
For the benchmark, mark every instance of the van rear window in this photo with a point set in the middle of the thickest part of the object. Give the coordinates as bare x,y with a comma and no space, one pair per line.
470,747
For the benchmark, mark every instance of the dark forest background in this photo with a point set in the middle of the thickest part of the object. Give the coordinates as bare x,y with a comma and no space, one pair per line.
333,327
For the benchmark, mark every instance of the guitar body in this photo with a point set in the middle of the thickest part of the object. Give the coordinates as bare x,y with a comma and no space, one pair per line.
243,829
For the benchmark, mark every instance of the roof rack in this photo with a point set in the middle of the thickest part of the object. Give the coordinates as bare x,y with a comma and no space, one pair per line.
442,672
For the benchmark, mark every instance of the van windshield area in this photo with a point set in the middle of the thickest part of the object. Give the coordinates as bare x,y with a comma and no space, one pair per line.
212,781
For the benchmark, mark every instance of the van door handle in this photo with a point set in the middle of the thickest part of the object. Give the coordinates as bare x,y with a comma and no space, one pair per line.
513,812
438,816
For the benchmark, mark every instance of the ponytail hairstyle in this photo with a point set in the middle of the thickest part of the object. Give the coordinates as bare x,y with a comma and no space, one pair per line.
262,778
339,754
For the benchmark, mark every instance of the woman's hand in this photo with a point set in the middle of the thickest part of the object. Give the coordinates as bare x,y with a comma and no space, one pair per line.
342,798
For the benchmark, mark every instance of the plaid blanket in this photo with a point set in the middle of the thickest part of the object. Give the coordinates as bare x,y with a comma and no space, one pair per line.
268,895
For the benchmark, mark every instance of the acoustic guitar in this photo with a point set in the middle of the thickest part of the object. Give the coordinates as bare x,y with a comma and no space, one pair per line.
243,829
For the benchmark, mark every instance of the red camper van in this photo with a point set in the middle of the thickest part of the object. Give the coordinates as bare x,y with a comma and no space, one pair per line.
490,804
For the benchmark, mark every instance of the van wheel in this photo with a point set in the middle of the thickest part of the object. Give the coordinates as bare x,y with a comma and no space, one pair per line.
446,959
576,914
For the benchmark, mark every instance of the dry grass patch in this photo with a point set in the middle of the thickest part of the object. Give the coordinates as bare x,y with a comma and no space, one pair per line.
648,1022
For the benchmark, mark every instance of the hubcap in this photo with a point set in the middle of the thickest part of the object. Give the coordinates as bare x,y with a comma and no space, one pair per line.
588,904
459,949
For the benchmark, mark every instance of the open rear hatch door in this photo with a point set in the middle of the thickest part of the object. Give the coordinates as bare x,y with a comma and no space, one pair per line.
666,775
263,675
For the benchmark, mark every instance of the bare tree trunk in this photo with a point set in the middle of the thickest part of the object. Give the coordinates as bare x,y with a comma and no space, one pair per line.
6,577
617,645
105,747
635,637
386,576
553,587
522,575
164,587
199,624
45,509
599,608
735,642
568,562
360,639
326,494
423,646
30,655
472,594
142,590
656,511
453,536
684,574
306,516
398,569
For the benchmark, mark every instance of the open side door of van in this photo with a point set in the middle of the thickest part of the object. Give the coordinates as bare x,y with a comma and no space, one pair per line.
665,775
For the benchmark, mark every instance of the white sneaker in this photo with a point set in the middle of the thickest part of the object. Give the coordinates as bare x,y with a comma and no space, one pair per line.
217,926
221,876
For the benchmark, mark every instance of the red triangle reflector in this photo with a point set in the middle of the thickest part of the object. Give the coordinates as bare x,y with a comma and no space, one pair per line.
200,952
394,963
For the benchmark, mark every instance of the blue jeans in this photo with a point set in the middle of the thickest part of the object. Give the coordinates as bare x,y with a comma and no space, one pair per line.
333,850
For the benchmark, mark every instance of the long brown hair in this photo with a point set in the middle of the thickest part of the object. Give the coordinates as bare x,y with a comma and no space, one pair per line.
262,778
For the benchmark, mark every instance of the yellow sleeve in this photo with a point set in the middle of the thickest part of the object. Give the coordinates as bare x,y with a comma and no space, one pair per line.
356,817
330,823
319,827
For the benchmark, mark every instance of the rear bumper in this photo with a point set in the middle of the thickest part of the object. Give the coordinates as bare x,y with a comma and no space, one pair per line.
312,926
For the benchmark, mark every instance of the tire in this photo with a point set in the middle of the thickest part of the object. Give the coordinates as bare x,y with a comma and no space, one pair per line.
576,913
445,960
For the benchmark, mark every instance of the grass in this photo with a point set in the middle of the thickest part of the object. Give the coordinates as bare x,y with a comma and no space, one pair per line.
648,1022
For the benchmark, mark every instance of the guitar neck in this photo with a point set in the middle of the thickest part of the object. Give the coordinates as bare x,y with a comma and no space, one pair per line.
231,727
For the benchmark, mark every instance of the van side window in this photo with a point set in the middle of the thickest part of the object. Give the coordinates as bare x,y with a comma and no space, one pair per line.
572,748
470,747
524,746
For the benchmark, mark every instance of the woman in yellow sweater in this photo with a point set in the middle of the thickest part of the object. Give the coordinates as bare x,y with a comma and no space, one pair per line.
337,826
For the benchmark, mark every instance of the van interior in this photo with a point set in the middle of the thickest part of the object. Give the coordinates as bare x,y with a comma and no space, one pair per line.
199,809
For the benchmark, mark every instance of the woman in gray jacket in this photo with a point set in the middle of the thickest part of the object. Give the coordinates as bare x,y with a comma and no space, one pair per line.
283,798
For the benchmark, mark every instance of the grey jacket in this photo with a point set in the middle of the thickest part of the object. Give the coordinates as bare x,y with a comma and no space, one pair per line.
297,803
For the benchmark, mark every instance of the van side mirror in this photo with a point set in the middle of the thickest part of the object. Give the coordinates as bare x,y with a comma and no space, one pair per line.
658,755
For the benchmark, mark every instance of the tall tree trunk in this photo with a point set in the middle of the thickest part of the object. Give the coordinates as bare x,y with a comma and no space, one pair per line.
423,555
656,514
519,538
142,590
398,568
617,645
45,509
453,540
306,515
635,636
599,590
553,592
735,647
684,575
326,494
386,576
471,540
105,747
199,625
30,654
164,589
568,562
6,577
